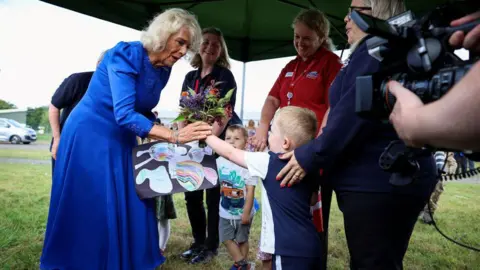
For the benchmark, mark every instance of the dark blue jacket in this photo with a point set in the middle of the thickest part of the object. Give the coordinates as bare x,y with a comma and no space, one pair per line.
226,82
349,148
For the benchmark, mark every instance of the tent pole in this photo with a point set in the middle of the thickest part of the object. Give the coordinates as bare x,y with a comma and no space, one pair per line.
243,90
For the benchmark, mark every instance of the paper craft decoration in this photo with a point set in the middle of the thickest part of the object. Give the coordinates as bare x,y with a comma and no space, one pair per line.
163,168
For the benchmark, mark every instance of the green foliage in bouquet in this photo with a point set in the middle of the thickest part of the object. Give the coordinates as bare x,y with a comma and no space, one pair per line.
207,107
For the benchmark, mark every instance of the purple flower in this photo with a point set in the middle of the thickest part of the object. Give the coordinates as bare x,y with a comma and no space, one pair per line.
194,103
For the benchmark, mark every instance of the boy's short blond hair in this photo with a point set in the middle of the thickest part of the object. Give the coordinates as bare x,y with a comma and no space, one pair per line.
242,129
296,123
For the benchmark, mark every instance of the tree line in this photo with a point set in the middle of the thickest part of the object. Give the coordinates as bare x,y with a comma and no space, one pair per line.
35,116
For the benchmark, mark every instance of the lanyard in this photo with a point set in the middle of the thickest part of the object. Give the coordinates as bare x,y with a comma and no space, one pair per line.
295,80
197,84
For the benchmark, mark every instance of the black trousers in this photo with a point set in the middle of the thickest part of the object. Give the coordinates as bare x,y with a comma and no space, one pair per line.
202,223
378,227
53,166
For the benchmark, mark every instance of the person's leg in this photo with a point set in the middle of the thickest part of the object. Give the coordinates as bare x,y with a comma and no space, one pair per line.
196,215
212,240
432,204
266,259
471,164
163,233
227,230
378,227
53,165
234,250
213,202
244,249
406,209
267,265
326,193
242,235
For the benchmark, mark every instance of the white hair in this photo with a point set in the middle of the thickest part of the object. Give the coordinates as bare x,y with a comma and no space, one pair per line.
384,9
163,25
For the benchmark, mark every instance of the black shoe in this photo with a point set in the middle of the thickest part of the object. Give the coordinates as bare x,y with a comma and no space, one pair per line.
204,256
192,252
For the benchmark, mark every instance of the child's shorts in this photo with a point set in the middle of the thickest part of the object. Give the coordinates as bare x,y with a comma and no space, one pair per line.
233,229
295,263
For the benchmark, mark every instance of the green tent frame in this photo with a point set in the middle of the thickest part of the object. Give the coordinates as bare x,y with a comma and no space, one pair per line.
253,29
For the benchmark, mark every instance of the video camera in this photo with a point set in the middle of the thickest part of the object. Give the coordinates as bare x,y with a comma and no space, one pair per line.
414,52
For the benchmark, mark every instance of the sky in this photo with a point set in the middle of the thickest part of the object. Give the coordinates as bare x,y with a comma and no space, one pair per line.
42,44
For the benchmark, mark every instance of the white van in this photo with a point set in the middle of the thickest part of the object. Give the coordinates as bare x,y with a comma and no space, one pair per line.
13,132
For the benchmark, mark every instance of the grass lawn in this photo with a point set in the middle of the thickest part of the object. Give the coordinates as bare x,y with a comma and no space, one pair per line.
43,138
25,190
25,154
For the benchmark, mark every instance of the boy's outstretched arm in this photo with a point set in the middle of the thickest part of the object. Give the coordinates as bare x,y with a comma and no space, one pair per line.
227,151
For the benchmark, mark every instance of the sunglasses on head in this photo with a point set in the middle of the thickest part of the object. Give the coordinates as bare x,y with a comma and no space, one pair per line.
350,9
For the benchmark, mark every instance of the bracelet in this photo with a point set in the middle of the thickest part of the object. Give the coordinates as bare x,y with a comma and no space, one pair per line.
175,137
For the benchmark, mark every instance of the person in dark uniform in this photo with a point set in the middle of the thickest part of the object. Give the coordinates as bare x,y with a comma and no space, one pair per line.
379,217
65,98
213,73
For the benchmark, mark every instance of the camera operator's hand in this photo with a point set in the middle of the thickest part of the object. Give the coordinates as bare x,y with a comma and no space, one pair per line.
471,41
403,116
450,122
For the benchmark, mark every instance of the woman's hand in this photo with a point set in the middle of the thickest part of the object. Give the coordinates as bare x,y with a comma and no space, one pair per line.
194,132
293,171
55,143
259,140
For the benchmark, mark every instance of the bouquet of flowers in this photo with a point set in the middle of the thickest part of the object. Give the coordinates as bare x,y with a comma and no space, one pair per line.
207,107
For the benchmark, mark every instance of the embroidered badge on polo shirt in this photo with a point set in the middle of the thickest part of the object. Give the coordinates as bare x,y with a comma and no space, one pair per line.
312,75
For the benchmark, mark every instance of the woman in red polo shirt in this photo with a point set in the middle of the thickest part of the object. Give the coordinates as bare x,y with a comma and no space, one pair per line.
304,81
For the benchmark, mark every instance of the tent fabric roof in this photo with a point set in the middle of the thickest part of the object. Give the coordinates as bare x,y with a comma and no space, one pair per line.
253,29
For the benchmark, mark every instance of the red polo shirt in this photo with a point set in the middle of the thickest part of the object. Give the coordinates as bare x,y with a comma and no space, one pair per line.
311,80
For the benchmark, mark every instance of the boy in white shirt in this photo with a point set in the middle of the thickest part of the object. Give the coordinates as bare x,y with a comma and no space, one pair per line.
237,189
288,231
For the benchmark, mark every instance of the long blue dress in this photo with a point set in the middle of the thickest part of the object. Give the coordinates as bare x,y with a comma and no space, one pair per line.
96,221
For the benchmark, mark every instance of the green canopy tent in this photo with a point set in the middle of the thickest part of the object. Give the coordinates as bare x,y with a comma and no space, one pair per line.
253,29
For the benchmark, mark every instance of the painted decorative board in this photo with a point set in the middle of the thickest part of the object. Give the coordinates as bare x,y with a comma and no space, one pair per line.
163,168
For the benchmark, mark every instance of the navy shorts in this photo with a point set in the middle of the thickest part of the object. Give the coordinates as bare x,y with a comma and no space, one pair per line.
295,263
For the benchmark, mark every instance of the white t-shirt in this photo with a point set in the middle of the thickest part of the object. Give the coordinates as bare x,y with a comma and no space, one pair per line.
257,163
233,191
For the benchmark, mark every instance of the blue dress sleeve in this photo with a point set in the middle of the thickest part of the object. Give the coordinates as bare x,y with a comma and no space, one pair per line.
123,69
344,125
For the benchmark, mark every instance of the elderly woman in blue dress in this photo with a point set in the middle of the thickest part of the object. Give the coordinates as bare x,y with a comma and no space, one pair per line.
96,220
